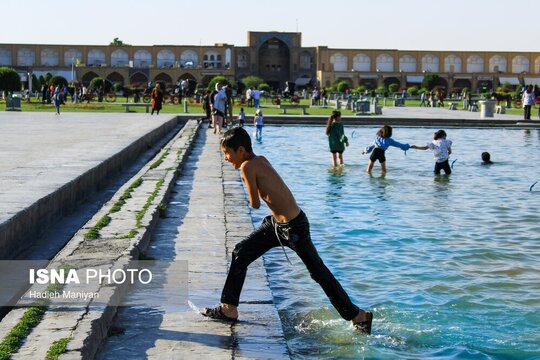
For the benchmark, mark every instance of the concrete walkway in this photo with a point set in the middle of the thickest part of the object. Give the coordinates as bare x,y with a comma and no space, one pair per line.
206,216
49,163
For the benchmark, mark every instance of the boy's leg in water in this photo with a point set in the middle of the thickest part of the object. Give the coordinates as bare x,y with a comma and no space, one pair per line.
334,159
446,168
383,167
245,252
300,241
370,166
437,170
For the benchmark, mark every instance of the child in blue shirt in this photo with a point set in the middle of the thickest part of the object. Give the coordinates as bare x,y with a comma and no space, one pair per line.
382,142
258,122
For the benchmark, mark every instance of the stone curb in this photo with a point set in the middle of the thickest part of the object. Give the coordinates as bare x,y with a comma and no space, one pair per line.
296,120
93,328
89,325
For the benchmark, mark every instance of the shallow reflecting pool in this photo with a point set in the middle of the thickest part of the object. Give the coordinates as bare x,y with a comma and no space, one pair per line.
449,265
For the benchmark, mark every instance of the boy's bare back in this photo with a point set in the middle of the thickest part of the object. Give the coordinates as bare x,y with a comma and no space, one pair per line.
262,180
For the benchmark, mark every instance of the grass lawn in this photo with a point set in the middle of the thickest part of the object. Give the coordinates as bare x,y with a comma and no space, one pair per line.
196,109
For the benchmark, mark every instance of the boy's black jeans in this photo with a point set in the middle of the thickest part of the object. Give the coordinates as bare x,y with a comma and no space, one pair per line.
294,234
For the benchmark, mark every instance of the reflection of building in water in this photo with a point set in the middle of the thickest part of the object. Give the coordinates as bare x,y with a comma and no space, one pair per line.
276,57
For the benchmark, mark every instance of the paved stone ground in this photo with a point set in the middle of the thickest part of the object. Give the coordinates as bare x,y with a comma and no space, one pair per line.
206,216
40,152
390,112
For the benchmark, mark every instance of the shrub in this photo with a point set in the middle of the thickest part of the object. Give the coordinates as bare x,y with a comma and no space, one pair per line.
381,90
412,91
393,88
342,86
264,87
9,79
217,79
252,81
96,83
430,81
361,89
117,87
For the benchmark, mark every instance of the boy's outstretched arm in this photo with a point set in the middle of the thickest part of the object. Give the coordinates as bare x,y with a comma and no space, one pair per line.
250,179
419,147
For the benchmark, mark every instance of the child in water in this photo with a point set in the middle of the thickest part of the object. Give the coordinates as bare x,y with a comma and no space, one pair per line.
287,226
241,117
382,142
486,158
336,137
442,149
258,122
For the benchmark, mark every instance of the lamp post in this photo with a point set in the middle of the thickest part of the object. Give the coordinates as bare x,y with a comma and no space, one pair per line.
72,69
29,84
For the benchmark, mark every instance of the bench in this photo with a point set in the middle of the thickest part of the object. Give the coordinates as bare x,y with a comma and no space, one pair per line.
285,107
128,105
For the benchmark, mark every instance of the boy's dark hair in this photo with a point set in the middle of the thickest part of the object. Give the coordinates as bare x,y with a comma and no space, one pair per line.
486,157
385,131
236,137
439,134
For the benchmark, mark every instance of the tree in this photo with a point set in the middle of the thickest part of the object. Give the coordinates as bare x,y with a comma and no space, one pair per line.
36,83
430,81
58,81
9,79
217,79
252,81
96,83
117,42
361,89
342,86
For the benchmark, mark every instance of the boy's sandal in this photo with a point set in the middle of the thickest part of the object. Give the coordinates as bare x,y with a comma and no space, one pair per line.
365,326
217,314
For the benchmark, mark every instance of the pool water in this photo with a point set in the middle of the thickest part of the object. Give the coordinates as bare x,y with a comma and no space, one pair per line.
450,265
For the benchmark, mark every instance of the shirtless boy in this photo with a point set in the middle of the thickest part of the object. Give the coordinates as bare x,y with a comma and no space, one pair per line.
287,226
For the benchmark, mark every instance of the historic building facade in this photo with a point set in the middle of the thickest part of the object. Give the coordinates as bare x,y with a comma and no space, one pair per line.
277,57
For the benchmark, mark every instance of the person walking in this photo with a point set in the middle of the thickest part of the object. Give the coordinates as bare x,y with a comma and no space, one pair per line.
528,99
157,99
58,98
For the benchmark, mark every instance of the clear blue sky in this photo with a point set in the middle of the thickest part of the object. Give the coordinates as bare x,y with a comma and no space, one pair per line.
490,25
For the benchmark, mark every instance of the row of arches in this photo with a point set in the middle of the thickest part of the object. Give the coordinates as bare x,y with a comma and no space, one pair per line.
118,58
431,63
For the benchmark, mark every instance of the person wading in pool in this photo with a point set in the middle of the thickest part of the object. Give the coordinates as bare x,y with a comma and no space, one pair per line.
287,226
